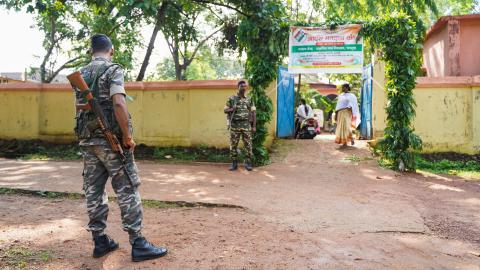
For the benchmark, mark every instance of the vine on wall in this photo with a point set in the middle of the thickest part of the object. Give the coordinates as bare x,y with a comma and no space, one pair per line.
264,38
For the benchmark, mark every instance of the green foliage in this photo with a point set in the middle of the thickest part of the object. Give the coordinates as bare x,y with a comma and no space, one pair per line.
37,150
45,256
53,18
470,168
318,101
354,79
165,71
184,33
355,158
399,39
370,9
449,7
476,7
19,257
264,37
207,65
120,20
67,26
396,37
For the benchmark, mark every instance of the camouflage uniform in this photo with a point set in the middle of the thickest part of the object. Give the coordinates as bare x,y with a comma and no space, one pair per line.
240,125
100,161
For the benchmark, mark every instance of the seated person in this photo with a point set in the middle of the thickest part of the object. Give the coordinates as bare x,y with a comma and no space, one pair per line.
304,111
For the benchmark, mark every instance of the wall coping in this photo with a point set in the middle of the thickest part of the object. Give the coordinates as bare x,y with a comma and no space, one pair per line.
448,82
146,86
422,82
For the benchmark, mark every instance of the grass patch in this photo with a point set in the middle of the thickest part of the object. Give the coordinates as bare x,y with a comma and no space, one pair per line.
145,202
192,154
20,257
385,163
462,165
469,169
355,158
159,204
40,193
40,150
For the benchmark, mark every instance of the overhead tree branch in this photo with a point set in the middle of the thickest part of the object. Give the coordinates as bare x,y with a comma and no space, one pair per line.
222,5
200,44
62,67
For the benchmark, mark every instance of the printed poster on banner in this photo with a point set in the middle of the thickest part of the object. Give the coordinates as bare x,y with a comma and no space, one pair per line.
321,50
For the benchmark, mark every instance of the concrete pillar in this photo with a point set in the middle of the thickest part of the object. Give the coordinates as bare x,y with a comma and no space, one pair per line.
379,98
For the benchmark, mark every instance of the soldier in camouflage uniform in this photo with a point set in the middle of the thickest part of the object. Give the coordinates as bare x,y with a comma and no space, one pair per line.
242,123
106,81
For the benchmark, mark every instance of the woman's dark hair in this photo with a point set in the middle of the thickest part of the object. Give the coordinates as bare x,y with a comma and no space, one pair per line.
303,101
346,86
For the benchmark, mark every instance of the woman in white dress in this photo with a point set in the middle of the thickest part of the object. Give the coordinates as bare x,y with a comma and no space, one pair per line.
347,116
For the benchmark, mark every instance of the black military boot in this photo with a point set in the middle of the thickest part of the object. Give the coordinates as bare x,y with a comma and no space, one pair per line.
234,165
143,250
248,166
103,245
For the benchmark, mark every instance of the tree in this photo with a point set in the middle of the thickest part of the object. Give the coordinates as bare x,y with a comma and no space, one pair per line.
53,19
371,9
159,20
206,66
68,24
476,7
118,19
165,71
183,35
448,8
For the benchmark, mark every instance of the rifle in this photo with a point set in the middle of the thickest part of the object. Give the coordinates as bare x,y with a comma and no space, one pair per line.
232,113
77,81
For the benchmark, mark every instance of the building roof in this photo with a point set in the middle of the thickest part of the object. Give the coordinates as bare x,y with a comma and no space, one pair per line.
18,76
323,85
32,76
445,19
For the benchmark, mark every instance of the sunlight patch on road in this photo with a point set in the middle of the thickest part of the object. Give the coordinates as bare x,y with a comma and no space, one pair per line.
65,228
445,187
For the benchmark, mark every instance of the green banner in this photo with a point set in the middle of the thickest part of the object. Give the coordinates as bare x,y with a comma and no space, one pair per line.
325,50
315,48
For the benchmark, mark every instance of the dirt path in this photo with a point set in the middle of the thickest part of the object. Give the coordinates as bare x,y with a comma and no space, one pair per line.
318,208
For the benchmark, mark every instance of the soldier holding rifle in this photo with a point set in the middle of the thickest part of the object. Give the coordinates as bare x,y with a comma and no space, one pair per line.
104,128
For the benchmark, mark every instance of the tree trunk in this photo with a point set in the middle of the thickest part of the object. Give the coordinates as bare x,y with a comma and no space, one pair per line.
159,20
183,72
43,68
176,61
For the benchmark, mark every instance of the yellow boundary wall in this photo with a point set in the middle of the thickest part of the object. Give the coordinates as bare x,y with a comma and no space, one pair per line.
164,113
447,114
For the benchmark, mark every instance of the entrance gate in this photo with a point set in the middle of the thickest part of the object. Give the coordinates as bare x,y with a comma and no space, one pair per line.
366,103
285,104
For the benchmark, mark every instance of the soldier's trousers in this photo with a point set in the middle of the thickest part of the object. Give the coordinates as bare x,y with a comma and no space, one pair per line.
246,135
100,163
